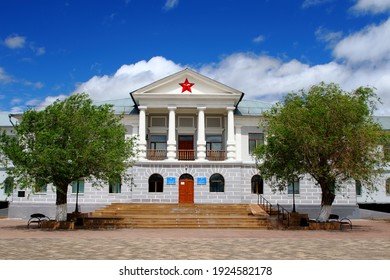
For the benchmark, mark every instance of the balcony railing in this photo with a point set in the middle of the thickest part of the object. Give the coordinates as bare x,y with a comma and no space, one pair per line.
186,154
156,154
216,155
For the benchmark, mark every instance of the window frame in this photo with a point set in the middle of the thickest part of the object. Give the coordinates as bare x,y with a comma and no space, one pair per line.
220,188
81,186
158,183
257,141
257,189
115,185
358,188
297,187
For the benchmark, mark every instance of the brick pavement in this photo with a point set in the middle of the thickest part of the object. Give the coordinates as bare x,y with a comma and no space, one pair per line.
370,239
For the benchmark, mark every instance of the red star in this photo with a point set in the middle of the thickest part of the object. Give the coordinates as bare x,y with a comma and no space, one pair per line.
186,86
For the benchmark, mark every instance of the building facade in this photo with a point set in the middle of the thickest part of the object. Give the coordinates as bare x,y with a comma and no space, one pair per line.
195,138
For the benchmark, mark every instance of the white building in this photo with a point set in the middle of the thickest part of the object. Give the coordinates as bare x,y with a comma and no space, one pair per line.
195,141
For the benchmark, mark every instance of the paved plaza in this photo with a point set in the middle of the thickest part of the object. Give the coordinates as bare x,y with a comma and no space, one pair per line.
369,239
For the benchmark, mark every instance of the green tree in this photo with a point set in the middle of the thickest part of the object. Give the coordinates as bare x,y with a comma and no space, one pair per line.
66,141
327,133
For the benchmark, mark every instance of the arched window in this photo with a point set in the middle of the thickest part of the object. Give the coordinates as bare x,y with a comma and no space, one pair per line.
388,186
257,184
156,183
217,183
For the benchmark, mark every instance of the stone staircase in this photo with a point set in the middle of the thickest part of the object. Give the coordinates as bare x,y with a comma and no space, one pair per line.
142,215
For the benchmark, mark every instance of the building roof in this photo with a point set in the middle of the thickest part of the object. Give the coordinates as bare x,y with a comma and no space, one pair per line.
4,119
252,107
124,105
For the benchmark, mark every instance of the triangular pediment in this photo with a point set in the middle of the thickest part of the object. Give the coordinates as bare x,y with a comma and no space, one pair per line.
184,86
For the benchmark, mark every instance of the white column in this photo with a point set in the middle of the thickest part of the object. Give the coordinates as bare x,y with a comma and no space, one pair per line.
230,143
201,142
171,143
142,133
238,143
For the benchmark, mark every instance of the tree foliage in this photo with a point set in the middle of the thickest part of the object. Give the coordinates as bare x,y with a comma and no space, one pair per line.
68,140
325,132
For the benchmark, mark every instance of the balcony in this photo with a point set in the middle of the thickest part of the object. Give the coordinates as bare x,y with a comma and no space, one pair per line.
161,154
186,154
154,154
216,155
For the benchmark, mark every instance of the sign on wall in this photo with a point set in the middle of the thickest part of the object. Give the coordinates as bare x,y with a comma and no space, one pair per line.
171,181
201,180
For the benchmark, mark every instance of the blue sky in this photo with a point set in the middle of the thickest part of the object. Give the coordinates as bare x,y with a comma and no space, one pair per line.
51,49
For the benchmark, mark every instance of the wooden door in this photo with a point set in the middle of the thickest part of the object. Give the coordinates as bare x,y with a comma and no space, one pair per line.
186,191
186,147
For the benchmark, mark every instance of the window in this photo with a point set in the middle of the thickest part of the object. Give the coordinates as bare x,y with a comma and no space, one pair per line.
358,186
214,143
217,183
388,186
80,184
40,188
9,185
293,185
213,122
255,139
115,185
158,121
186,122
257,184
214,147
156,183
158,142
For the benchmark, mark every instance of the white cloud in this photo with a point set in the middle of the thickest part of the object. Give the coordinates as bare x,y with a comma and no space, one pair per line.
15,41
16,101
170,4
267,78
330,37
259,39
128,78
311,3
371,45
40,51
360,59
372,6
258,76
4,77
48,100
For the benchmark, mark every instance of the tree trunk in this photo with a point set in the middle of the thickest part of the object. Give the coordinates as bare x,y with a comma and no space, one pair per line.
61,212
61,201
326,201
325,211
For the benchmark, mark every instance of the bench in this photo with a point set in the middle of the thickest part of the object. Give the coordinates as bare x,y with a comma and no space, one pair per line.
37,218
343,221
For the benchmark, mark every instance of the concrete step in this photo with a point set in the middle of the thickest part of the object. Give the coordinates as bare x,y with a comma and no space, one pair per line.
140,215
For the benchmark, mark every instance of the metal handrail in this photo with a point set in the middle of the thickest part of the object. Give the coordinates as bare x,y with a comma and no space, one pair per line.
267,206
282,213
